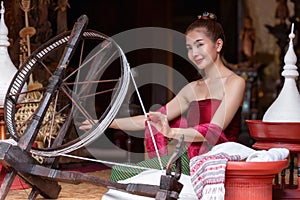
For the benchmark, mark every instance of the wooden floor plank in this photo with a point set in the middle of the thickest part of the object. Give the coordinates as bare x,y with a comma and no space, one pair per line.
70,191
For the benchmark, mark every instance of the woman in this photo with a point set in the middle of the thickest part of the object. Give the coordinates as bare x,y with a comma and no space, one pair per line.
211,102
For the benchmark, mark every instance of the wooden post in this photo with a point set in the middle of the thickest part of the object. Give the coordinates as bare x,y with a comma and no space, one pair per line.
2,125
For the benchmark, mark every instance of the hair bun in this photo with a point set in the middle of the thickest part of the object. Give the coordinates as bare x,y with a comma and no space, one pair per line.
207,15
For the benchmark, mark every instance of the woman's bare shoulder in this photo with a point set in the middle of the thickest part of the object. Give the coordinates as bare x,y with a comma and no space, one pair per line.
189,92
234,78
191,85
235,81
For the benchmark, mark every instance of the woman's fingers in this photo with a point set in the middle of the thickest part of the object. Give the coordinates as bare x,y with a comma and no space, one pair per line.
159,121
156,116
86,125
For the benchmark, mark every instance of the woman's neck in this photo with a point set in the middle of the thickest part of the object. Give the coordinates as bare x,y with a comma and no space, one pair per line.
218,70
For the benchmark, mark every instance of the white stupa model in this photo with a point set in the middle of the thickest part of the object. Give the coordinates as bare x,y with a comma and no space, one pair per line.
286,108
7,68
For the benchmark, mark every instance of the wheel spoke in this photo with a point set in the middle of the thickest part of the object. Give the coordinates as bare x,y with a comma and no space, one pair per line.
88,82
88,61
98,93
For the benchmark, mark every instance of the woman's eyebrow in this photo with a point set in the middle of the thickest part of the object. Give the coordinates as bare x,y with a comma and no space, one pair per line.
199,40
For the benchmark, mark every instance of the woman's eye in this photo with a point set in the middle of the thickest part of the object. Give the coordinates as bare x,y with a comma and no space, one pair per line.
199,45
189,48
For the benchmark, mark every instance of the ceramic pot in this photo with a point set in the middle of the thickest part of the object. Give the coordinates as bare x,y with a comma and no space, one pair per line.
251,180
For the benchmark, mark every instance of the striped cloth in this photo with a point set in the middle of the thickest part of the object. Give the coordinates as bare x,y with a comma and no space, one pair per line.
121,173
208,175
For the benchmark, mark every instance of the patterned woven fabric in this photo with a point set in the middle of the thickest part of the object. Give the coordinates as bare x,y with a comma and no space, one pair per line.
208,175
121,173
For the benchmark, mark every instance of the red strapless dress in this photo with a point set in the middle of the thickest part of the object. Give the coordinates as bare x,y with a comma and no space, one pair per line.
199,115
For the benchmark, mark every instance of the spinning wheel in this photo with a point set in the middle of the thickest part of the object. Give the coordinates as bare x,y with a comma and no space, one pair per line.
78,84
53,110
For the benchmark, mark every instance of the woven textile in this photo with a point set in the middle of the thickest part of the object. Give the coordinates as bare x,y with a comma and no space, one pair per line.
121,173
208,175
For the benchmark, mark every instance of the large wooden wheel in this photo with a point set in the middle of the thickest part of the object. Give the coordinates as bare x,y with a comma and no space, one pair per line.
91,68
92,86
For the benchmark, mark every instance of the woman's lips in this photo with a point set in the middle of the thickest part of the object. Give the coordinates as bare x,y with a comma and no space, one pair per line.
198,61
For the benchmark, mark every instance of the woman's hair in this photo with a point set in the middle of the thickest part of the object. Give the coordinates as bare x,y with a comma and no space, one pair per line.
208,21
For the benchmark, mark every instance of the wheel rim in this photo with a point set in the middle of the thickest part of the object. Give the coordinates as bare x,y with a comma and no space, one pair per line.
76,93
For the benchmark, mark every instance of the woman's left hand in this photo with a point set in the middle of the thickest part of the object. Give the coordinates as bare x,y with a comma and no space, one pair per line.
160,122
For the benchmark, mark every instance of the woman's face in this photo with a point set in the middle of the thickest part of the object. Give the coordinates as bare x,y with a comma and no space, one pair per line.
202,51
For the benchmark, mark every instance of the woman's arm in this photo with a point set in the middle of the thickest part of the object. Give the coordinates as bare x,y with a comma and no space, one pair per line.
161,123
134,123
128,123
233,99
172,110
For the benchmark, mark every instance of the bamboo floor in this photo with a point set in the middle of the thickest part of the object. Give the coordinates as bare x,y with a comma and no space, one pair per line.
81,191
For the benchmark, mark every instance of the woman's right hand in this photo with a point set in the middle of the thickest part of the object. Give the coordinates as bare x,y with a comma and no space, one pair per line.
160,122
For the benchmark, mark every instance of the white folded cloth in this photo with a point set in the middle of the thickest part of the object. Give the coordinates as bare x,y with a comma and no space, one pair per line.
232,149
273,154
251,155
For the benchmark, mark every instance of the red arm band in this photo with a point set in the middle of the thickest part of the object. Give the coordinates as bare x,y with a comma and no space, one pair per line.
213,135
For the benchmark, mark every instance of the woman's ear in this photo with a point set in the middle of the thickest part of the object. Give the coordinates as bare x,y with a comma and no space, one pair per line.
219,45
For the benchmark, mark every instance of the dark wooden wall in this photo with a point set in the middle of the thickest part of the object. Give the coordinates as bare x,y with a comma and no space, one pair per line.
114,16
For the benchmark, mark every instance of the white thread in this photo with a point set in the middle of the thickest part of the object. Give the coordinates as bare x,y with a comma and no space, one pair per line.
148,124
106,162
